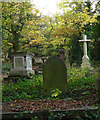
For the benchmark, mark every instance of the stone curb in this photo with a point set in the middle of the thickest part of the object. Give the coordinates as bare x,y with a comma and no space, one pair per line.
44,114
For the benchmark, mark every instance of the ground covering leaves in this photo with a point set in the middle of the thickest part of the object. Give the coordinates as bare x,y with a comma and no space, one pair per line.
28,94
37,105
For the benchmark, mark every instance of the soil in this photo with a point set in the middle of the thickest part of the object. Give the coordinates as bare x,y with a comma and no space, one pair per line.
37,105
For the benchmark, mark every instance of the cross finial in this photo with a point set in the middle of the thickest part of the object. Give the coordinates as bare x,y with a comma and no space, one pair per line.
84,37
85,40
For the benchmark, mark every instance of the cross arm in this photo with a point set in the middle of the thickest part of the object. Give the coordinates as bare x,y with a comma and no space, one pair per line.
84,40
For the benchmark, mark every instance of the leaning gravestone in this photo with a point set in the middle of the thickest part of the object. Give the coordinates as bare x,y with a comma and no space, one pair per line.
54,74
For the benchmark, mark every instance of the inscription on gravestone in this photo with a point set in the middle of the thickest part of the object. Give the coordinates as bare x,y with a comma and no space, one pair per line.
54,74
18,62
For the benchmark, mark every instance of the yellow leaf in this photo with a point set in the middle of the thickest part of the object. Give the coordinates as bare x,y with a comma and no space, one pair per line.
10,44
11,105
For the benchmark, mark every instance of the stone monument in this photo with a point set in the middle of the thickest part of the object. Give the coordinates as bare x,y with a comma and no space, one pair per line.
85,58
54,74
22,64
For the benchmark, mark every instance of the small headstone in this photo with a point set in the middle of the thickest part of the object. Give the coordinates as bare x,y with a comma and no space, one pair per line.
62,55
22,64
67,61
54,74
45,58
38,60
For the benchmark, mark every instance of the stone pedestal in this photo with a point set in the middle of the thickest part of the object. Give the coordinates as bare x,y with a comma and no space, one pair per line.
22,64
85,62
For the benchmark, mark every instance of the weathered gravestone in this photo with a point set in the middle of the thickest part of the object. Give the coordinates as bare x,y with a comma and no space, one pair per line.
54,74
22,64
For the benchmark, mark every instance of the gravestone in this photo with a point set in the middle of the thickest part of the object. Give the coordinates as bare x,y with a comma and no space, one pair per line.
62,55
38,60
54,74
85,58
45,58
67,61
37,65
22,64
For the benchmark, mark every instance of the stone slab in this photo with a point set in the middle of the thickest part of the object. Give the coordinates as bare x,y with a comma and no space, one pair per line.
85,62
16,73
44,114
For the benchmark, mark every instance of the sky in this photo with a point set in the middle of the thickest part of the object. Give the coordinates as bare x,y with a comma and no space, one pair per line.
47,7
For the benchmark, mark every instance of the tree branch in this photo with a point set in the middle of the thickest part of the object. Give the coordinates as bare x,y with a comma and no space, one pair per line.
8,30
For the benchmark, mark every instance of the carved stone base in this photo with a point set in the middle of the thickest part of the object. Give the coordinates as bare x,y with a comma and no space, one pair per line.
23,73
85,62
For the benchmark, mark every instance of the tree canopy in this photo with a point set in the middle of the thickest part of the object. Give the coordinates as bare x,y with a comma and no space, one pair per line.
26,29
21,26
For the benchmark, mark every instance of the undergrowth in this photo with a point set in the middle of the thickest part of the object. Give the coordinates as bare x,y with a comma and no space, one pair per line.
79,81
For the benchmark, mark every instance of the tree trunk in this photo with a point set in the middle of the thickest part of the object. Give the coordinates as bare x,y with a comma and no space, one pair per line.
16,42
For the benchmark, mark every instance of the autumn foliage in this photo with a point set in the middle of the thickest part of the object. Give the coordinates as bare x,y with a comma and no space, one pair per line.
26,29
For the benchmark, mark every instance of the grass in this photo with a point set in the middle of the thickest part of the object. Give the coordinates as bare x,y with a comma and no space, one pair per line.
78,82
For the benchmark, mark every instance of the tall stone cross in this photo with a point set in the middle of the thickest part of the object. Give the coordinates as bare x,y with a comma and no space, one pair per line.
85,58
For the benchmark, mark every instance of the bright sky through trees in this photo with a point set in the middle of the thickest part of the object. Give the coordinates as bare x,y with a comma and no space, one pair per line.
47,7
